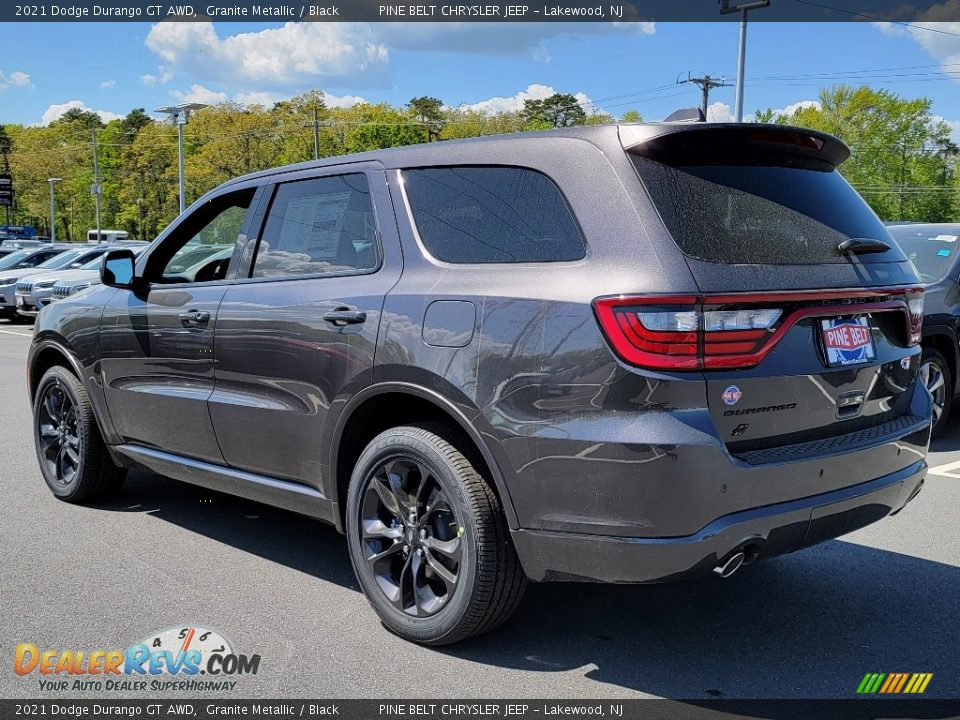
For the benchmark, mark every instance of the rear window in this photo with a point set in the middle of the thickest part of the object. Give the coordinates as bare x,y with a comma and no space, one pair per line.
780,211
492,215
931,248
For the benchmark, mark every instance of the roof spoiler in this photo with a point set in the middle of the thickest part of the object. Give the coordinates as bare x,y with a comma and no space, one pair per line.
657,140
686,115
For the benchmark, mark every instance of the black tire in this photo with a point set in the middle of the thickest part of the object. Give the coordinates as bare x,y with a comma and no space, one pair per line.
935,374
447,496
73,457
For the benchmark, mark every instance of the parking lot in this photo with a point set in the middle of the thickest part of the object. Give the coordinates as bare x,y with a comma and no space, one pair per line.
884,599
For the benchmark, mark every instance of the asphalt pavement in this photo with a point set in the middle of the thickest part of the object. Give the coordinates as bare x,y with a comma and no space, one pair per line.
167,554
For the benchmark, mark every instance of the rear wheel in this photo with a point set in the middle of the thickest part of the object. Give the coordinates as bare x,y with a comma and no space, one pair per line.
428,540
935,375
73,457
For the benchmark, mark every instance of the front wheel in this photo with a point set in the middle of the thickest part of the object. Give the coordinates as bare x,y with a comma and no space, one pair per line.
428,540
73,457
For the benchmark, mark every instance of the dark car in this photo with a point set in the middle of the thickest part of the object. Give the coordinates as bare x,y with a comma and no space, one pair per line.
933,249
623,354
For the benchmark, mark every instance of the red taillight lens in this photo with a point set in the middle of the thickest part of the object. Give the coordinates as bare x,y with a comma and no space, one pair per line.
731,331
915,307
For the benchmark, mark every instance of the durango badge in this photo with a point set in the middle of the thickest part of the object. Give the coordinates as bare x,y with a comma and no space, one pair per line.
732,395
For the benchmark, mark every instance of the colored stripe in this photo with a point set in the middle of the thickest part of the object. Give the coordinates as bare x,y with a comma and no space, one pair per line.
891,680
876,683
903,680
926,681
862,688
911,684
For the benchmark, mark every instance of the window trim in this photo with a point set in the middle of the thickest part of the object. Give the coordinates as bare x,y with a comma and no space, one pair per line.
270,195
401,182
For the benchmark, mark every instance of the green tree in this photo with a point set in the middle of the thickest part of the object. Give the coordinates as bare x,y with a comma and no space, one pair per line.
902,159
558,110
428,110
631,116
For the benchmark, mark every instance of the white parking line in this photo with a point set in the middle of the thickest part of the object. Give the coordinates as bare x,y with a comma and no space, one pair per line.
20,334
944,470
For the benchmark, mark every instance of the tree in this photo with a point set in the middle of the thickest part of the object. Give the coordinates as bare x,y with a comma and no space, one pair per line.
428,110
134,122
631,116
80,117
902,159
558,110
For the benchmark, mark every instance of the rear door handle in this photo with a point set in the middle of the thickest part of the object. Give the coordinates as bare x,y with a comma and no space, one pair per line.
195,317
345,316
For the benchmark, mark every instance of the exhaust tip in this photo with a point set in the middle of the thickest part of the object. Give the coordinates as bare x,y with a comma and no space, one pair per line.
730,566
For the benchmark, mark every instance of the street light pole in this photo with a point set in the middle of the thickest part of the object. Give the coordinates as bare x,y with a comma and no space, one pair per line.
180,114
726,9
53,209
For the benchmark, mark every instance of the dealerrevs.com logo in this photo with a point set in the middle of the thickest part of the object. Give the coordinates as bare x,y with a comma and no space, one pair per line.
188,658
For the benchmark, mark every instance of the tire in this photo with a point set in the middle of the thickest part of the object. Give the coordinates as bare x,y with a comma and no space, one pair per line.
73,458
935,374
412,488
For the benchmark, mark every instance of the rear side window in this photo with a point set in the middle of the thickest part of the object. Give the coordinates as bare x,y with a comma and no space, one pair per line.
491,215
318,226
765,210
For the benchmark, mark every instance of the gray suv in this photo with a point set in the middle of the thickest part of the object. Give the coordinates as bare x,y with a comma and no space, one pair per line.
618,354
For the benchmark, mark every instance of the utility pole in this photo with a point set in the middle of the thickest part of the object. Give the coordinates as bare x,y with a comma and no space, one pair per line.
53,209
96,182
180,115
706,84
726,9
316,132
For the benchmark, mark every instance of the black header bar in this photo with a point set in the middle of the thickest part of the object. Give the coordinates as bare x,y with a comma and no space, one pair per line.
477,11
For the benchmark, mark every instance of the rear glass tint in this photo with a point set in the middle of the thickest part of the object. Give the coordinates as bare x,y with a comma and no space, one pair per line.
491,215
796,212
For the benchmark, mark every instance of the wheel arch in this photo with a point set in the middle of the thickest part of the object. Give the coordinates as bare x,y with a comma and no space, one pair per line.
46,354
944,340
377,408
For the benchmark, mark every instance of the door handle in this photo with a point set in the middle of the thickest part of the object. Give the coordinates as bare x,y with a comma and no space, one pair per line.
345,316
195,317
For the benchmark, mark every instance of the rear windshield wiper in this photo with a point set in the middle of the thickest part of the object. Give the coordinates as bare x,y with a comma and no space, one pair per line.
862,246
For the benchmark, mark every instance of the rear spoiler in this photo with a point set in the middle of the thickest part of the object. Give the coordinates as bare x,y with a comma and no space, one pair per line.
668,141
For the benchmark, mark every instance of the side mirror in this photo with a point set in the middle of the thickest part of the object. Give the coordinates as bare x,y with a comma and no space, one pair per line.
74,266
118,268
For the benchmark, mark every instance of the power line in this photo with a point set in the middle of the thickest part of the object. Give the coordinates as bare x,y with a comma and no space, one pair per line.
877,18
706,84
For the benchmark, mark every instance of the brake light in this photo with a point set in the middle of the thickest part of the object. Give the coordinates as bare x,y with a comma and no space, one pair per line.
731,331
915,307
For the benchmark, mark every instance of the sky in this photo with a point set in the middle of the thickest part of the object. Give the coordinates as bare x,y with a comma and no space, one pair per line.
112,68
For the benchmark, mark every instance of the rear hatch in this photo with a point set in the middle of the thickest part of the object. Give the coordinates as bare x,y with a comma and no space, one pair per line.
808,315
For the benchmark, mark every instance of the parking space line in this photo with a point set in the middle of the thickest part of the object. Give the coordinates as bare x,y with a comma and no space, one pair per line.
19,334
944,470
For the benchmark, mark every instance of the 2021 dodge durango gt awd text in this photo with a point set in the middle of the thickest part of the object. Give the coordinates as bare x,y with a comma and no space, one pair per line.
619,354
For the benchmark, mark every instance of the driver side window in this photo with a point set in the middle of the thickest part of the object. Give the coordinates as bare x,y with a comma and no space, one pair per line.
201,247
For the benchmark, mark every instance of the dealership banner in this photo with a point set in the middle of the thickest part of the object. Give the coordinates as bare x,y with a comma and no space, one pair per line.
107,709
889,11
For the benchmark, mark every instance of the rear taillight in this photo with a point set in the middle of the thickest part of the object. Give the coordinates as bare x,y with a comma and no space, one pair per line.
915,307
731,331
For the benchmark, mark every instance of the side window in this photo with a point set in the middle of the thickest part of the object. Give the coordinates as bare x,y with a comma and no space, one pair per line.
321,225
491,215
200,248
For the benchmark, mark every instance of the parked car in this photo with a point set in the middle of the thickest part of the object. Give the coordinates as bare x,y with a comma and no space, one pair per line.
74,257
933,249
10,245
14,265
626,354
35,292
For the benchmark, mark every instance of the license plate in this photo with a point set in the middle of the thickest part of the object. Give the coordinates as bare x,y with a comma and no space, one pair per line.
19,300
847,341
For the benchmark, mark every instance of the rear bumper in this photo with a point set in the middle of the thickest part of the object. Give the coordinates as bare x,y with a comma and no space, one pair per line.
767,531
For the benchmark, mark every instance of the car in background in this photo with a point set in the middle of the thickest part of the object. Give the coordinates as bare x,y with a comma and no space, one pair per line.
934,249
68,282
36,292
74,257
12,264
10,245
